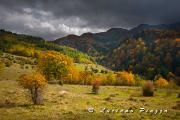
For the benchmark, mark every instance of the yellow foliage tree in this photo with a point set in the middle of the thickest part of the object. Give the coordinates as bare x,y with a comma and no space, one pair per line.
34,83
161,82
54,65
86,77
110,79
125,78
73,75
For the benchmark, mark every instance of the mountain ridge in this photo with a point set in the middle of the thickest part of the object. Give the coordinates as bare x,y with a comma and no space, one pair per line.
100,43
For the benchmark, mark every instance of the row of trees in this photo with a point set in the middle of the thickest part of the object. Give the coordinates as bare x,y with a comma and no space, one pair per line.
58,67
55,66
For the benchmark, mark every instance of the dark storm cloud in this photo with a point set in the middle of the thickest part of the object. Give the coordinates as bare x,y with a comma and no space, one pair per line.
56,18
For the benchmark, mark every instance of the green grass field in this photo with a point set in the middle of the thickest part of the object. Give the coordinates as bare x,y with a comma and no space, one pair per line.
71,102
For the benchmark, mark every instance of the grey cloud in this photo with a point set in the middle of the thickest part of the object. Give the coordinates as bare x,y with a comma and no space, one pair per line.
56,18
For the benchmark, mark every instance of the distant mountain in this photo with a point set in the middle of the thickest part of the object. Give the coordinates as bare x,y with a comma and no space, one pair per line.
146,49
94,44
98,44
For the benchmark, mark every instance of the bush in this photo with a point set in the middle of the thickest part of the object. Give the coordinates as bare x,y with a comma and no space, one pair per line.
96,85
27,67
61,82
148,88
34,83
177,107
161,82
32,67
8,63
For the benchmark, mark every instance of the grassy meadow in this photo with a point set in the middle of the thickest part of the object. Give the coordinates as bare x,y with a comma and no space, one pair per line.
71,102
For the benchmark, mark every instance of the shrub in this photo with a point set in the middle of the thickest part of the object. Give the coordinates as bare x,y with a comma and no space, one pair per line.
34,83
148,88
61,82
27,67
96,85
161,82
8,63
32,67
177,107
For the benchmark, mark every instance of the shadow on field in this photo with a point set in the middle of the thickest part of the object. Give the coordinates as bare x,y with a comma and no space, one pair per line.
90,93
12,105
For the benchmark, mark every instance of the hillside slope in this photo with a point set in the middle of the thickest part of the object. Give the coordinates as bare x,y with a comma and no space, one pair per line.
30,46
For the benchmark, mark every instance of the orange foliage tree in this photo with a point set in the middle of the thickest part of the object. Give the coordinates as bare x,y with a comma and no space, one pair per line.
125,78
34,83
54,65
96,82
161,82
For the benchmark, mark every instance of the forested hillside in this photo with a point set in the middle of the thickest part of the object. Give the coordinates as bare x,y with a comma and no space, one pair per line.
30,46
160,56
148,50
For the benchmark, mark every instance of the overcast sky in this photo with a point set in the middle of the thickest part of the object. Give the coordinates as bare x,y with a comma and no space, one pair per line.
52,19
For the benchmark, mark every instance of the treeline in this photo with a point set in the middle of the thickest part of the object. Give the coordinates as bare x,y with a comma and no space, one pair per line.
57,67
